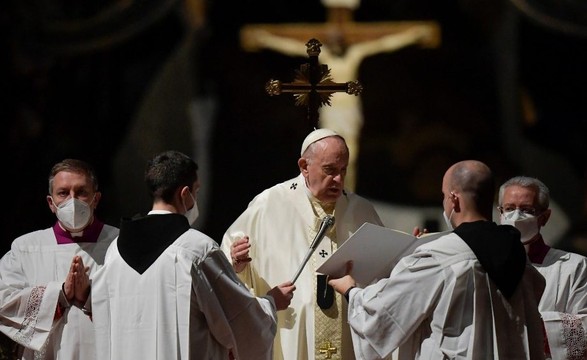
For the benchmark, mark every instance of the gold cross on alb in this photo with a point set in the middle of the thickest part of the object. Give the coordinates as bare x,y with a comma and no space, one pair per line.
327,349
313,85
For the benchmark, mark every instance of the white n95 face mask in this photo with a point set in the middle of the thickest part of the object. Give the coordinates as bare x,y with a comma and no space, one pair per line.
448,218
193,213
74,213
527,224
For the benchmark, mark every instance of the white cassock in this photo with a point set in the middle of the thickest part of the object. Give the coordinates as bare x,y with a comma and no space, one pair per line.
278,222
564,303
189,304
31,276
429,308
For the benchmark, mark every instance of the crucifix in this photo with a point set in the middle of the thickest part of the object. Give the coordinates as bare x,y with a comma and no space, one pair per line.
313,85
345,44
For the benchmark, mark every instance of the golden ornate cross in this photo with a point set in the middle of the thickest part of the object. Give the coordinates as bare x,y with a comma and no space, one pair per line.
327,349
313,85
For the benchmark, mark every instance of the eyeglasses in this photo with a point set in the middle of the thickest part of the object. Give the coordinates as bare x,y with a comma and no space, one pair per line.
526,210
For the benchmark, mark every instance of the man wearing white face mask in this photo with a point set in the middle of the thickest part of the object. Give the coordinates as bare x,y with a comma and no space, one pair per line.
167,291
44,277
524,203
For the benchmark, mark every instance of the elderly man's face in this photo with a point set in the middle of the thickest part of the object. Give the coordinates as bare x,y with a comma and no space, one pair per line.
325,172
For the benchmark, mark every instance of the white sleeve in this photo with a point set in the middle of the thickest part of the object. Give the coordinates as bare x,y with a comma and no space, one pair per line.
567,334
27,312
236,318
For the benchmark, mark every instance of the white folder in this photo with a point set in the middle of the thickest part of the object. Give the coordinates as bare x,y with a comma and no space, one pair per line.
374,250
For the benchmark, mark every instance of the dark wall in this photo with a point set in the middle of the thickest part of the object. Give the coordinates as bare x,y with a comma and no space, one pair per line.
424,108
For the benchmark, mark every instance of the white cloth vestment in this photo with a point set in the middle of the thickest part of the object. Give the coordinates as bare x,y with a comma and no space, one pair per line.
430,305
564,303
279,223
188,304
31,276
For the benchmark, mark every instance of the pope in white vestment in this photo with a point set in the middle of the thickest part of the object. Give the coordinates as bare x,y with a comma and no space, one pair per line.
166,291
466,295
31,278
278,222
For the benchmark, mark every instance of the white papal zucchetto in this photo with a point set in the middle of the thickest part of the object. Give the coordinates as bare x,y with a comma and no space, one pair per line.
316,135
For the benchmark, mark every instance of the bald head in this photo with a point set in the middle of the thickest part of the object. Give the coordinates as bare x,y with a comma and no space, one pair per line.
474,180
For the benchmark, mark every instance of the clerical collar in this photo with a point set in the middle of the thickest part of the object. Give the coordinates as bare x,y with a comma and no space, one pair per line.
89,234
159,212
537,251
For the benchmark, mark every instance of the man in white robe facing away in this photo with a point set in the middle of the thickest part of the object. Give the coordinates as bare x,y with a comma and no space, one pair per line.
270,239
524,203
469,294
166,291
40,307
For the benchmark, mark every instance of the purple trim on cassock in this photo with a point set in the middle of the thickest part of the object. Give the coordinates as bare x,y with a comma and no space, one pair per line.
91,233
537,251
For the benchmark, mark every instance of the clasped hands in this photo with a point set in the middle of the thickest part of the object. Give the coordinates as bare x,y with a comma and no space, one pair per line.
76,287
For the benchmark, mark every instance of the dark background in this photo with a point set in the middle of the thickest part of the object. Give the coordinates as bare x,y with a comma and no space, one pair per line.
112,83
78,80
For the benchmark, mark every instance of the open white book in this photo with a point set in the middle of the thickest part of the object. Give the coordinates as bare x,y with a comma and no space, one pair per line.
374,250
